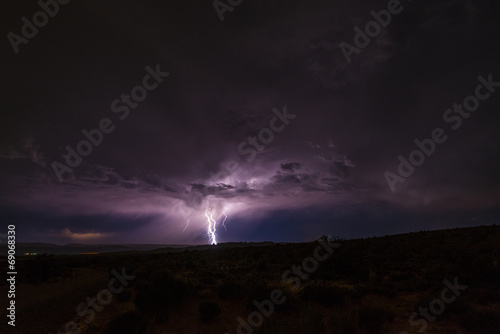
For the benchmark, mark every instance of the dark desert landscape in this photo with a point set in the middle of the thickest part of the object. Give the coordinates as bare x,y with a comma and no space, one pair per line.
370,285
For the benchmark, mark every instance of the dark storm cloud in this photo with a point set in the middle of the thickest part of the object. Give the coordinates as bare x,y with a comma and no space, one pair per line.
156,170
291,166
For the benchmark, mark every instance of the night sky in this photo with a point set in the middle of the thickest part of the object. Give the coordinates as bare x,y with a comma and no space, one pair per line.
275,116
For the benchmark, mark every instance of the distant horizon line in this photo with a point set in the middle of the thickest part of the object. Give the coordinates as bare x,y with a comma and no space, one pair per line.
227,242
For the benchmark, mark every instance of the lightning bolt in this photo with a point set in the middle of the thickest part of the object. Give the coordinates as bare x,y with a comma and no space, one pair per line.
224,221
225,216
212,223
187,224
211,227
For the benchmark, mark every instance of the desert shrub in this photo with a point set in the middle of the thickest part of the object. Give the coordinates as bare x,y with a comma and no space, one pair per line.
291,305
310,322
40,269
190,264
160,293
386,290
124,296
373,318
360,291
485,322
457,307
345,265
147,300
257,292
483,296
132,322
479,270
325,295
208,280
346,322
228,289
262,265
402,276
208,310
168,286
423,301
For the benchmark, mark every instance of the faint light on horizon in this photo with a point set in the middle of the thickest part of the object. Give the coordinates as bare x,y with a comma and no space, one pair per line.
81,236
